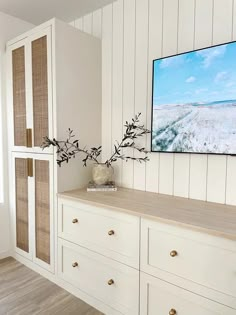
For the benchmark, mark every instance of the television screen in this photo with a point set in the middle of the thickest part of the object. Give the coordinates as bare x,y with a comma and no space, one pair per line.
194,101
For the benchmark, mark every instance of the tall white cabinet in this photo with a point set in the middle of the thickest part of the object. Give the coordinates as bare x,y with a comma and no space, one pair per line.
54,83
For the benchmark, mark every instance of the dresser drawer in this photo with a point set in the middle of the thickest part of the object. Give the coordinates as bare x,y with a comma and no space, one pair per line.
110,233
204,259
112,283
161,298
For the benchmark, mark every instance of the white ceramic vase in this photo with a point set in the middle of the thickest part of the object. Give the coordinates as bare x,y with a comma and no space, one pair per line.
102,174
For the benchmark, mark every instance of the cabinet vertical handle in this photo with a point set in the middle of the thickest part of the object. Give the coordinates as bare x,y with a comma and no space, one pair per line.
30,167
29,138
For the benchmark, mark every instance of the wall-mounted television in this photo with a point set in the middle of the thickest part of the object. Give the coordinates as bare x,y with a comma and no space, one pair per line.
194,101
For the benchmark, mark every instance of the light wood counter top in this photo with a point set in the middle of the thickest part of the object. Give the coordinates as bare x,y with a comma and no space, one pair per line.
212,218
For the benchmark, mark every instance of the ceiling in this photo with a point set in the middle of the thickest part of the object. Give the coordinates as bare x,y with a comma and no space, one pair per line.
38,11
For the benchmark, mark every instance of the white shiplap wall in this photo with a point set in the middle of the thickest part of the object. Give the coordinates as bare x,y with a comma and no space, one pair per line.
134,32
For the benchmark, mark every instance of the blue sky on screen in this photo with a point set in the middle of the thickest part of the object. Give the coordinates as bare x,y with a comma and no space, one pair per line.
206,75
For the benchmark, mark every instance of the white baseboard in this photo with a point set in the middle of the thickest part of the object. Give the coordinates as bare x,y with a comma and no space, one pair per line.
5,254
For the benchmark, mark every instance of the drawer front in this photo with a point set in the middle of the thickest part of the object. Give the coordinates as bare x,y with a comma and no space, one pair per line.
201,258
161,298
110,233
112,283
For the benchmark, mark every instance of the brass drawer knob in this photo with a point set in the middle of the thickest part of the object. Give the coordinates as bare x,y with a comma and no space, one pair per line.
110,282
111,232
172,312
173,253
75,264
75,221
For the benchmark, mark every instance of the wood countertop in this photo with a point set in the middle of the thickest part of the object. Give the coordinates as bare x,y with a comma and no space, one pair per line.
208,217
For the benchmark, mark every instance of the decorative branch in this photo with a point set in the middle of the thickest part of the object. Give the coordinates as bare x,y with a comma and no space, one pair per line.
132,132
67,149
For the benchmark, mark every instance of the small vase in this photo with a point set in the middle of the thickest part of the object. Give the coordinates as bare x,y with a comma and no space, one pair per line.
102,174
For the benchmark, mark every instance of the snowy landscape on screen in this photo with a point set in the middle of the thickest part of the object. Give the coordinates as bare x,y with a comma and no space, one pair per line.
205,128
194,102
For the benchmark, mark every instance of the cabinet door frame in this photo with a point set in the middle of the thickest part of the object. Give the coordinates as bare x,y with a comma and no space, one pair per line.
31,203
11,126
26,42
28,255
30,123
50,159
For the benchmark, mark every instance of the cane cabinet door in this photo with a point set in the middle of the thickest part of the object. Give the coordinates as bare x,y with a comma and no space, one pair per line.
43,211
30,92
22,206
33,215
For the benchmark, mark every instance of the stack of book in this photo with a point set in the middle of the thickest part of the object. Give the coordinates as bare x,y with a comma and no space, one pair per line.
110,186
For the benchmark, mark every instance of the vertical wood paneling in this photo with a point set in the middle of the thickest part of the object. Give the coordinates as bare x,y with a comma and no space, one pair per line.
198,177
97,23
166,173
152,173
79,24
129,81
186,18
234,21
185,43
155,28
169,47
141,69
231,181
222,21
181,175
202,38
203,23
118,31
216,178
222,32
106,81
155,51
170,27
88,23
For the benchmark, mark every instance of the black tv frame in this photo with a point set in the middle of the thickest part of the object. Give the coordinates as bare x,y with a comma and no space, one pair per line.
178,152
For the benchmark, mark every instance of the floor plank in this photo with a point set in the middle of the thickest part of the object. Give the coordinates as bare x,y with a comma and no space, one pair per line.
24,292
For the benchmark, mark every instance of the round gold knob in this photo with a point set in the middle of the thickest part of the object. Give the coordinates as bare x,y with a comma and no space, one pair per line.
172,312
111,232
75,221
110,282
75,264
173,253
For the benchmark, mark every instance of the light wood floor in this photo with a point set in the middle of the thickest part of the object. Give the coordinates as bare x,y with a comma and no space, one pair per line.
24,292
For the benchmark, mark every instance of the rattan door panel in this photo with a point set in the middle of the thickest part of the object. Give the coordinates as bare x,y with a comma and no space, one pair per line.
19,96
42,210
22,210
40,89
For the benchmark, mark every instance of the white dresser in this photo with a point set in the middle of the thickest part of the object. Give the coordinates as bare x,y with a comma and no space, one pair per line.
132,252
